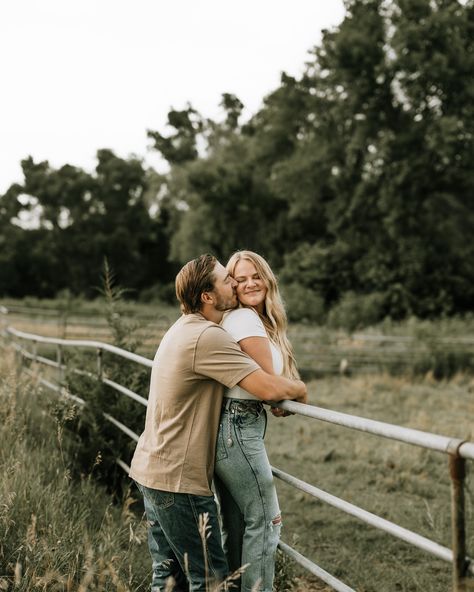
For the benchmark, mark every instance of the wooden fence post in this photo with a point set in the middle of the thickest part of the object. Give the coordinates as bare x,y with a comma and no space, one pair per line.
457,471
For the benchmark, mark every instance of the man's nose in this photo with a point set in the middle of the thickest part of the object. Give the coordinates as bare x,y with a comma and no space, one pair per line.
234,283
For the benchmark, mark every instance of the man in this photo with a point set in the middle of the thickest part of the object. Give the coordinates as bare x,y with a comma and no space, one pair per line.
174,460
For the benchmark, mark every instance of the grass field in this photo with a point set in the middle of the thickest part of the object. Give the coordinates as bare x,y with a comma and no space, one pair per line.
57,528
402,483
410,347
405,484
59,531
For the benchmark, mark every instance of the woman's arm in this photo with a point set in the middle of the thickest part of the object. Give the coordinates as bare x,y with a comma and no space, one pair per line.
258,348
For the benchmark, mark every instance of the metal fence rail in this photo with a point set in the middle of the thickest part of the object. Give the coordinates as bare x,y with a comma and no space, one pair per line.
319,353
457,450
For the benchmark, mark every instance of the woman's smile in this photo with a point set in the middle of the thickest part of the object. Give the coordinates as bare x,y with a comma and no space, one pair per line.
251,289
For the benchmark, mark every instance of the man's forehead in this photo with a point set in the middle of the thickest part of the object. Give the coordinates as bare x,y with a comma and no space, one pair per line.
220,271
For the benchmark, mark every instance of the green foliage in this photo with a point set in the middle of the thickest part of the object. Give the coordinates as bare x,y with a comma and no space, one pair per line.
58,530
303,304
180,146
284,573
59,224
353,179
101,438
355,311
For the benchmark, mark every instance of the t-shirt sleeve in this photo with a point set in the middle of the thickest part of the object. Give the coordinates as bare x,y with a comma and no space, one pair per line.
242,323
219,357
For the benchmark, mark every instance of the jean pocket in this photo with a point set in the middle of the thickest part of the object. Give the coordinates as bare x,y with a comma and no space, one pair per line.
251,427
157,498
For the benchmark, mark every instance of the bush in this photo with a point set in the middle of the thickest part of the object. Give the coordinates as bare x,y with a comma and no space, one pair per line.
303,304
355,311
58,530
159,292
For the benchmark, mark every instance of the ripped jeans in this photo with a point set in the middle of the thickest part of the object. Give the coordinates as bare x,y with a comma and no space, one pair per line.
247,494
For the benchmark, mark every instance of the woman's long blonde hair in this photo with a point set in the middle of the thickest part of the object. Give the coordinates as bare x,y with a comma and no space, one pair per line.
274,315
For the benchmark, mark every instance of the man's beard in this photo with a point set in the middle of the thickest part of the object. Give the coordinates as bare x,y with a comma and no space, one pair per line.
223,304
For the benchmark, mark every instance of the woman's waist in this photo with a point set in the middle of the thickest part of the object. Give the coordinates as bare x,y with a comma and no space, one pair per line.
232,403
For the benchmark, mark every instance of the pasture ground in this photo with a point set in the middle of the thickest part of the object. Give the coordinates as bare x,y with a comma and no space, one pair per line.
402,483
399,482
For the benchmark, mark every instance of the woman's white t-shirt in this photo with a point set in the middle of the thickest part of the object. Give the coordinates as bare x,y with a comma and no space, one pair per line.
242,323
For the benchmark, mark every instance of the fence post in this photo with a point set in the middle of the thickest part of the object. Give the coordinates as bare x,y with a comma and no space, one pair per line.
99,364
35,351
3,313
457,471
18,365
59,360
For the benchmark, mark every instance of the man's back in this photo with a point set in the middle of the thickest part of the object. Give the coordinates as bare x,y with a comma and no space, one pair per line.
194,360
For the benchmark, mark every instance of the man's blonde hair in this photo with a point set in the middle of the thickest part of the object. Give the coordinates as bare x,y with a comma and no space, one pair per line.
194,278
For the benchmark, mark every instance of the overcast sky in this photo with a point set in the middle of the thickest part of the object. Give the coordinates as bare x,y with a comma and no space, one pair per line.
77,76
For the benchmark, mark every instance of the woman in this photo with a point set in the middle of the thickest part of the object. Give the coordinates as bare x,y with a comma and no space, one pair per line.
243,477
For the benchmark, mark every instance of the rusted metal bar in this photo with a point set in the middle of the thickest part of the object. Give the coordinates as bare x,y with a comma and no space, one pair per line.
457,472
99,363
4,313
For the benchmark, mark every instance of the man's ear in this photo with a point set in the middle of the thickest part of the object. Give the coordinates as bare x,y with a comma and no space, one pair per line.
207,298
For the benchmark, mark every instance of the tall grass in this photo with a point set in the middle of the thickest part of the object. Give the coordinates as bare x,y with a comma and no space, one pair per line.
58,531
404,484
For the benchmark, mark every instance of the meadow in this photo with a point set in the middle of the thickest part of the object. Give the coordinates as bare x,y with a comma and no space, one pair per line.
407,485
402,483
59,530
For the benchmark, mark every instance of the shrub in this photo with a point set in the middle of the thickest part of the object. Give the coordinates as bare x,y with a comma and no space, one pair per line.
303,304
354,311
58,530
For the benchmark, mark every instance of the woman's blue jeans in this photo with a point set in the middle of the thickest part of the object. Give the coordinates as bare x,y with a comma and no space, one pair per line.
175,543
247,494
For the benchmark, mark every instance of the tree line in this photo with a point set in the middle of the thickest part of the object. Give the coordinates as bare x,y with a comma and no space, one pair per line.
354,180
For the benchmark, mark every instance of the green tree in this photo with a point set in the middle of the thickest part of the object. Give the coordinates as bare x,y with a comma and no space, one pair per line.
59,224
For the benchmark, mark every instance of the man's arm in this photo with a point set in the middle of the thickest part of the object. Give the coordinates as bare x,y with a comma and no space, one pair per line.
269,387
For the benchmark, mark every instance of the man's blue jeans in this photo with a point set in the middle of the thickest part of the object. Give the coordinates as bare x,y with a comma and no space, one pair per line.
175,543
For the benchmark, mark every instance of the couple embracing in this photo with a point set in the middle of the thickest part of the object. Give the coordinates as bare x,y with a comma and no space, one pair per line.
205,422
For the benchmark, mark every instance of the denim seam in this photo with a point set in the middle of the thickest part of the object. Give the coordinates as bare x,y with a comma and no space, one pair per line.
265,537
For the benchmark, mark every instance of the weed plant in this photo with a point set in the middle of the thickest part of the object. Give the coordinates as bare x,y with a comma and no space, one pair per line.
98,436
58,529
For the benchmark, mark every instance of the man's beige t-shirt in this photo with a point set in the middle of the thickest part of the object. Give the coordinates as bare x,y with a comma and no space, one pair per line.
194,361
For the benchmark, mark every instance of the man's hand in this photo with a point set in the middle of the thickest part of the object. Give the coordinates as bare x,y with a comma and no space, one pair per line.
302,396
